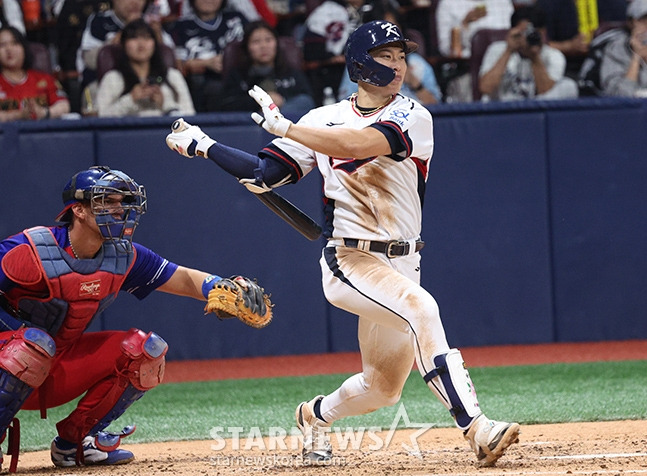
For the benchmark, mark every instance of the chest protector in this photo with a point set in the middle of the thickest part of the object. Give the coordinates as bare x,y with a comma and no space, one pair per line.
58,293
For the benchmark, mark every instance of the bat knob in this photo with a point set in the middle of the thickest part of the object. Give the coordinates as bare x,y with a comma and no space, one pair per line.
178,125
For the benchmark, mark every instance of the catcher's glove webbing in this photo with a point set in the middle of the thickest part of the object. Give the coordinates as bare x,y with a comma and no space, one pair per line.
242,298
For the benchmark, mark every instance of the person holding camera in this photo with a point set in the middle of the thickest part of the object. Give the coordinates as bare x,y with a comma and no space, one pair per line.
457,21
524,66
142,84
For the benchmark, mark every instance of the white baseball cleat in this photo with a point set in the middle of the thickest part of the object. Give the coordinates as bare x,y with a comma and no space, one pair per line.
489,439
316,442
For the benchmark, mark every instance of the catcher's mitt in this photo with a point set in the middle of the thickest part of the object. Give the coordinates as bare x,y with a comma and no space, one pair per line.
242,298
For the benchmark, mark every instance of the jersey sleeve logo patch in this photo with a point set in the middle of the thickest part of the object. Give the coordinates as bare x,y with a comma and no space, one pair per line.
399,116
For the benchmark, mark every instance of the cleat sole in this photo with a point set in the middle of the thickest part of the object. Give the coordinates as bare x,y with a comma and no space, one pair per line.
510,436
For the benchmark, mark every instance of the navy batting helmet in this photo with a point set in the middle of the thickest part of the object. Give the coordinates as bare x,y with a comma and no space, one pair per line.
94,186
361,65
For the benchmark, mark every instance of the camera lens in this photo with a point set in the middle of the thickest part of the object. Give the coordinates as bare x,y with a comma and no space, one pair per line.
533,38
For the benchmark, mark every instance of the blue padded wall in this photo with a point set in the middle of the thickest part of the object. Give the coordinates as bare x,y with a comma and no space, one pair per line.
486,259
534,223
598,169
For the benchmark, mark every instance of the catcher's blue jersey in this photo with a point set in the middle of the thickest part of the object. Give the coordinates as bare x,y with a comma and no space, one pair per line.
147,273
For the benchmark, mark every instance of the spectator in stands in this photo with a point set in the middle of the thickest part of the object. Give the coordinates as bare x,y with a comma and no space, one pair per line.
71,17
523,66
262,63
456,23
252,10
420,81
463,18
326,30
26,93
105,27
142,84
200,40
570,32
11,15
623,70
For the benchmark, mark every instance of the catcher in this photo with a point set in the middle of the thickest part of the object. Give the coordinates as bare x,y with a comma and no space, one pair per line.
54,280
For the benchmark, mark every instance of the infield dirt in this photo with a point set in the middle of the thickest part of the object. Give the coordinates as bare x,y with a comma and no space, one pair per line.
606,448
599,448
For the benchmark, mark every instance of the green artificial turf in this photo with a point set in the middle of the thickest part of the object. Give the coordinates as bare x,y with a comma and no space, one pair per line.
528,394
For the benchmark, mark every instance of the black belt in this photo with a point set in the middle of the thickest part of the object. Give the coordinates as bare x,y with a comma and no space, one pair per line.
391,248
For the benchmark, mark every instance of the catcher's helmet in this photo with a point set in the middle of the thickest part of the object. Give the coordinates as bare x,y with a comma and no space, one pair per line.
95,185
361,65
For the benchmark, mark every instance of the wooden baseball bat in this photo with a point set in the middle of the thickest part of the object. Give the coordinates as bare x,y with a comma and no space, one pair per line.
287,211
291,214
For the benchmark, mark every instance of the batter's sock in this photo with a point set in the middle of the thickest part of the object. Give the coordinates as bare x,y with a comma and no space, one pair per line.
317,409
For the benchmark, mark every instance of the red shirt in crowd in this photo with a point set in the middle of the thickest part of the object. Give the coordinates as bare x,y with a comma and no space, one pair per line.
38,85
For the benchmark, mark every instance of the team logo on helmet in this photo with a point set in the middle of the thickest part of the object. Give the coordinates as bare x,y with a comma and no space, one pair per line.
391,29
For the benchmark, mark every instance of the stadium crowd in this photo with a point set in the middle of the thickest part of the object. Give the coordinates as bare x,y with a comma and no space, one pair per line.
68,58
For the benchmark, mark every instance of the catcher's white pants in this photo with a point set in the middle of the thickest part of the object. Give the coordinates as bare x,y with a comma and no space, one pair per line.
399,321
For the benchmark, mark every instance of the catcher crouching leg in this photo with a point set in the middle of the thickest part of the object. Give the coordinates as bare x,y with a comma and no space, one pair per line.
25,361
82,439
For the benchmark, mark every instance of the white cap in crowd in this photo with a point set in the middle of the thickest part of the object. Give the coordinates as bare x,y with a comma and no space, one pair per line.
637,9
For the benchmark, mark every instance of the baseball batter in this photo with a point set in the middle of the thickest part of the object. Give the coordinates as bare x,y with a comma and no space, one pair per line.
54,281
373,151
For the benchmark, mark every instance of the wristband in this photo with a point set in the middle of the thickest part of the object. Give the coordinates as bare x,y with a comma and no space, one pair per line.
282,126
419,88
207,284
202,147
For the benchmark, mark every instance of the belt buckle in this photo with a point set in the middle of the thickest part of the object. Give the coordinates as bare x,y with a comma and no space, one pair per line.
393,243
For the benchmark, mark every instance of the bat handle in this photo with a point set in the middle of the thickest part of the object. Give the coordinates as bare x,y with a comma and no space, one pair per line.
179,125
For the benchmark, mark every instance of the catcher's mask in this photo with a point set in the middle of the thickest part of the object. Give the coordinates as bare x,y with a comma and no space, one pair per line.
359,62
116,201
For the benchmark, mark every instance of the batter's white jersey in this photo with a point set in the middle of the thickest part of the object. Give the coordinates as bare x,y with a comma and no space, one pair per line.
371,198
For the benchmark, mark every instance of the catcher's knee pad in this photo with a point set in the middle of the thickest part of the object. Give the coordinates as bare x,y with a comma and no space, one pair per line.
451,383
25,361
28,354
145,352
